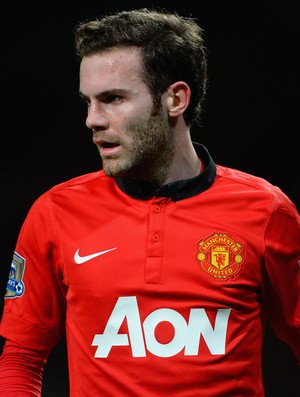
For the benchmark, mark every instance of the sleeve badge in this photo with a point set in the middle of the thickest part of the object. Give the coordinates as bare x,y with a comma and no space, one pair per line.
15,285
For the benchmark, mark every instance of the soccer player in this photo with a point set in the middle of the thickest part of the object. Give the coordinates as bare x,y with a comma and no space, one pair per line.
162,267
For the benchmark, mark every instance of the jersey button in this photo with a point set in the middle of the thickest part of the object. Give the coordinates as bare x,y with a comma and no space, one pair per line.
157,209
155,237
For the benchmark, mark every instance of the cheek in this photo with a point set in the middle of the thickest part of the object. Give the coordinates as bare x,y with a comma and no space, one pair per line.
136,123
123,115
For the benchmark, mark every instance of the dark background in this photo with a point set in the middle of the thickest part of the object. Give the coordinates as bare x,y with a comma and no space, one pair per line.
250,119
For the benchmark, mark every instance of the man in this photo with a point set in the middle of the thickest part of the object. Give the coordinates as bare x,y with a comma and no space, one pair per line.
162,267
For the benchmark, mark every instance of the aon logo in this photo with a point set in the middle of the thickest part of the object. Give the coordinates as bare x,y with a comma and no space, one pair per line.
141,336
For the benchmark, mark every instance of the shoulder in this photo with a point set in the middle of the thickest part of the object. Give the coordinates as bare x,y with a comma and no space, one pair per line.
242,184
75,189
80,182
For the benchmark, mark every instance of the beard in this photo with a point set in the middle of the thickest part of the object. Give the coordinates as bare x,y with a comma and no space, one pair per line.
147,151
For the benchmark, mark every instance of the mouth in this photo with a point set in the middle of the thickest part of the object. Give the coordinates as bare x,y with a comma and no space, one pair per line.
107,144
108,149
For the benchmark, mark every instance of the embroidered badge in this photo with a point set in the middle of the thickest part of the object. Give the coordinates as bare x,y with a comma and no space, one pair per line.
15,286
220,256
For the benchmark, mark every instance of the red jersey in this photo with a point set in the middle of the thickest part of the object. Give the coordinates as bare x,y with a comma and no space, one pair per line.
161,290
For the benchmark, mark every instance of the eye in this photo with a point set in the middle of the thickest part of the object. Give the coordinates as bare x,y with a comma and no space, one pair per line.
113,98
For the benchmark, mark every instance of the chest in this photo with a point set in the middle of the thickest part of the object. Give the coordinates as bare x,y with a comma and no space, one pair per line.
164,248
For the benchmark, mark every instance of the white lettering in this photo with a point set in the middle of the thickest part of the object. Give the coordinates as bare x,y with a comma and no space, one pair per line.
176,344
199,324
187,336
126,307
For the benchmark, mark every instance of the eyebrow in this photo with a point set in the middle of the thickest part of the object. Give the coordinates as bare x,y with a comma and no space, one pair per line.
104,94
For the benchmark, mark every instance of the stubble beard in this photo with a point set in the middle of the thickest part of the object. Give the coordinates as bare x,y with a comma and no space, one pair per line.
150,154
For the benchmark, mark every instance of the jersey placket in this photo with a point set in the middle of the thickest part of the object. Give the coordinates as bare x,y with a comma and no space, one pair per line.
155,240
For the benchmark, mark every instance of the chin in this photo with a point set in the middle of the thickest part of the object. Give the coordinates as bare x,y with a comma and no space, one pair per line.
114,170
114,173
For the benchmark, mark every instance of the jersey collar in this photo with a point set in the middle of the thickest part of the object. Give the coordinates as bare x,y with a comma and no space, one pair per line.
177,190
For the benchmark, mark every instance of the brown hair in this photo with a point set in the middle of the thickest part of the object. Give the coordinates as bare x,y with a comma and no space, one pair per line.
172,49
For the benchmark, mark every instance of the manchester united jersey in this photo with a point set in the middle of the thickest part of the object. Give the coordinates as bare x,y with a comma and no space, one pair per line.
161,290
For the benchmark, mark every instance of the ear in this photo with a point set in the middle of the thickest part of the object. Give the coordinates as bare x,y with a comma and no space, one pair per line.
178,98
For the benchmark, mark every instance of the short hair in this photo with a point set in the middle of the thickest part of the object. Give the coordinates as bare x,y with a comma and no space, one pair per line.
172,49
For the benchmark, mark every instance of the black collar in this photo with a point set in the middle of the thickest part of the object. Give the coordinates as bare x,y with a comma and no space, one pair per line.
177,190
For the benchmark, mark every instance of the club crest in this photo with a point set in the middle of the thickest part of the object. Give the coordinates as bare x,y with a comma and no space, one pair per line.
220,256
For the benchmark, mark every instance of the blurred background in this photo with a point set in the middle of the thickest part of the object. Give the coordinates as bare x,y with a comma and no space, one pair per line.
250,119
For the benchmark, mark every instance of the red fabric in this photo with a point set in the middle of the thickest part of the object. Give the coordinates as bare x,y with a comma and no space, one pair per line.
173,301
21,371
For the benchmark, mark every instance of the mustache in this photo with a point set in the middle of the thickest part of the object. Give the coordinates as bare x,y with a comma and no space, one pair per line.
105,139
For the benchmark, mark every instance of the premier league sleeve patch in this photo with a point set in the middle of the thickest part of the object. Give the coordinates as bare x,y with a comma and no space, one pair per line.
15,286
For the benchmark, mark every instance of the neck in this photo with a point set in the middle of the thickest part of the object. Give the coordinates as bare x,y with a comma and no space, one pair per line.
185,165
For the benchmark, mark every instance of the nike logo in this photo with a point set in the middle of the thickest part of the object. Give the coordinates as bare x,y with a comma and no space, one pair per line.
82,259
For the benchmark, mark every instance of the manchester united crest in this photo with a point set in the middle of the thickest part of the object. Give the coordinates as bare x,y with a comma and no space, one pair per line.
220,256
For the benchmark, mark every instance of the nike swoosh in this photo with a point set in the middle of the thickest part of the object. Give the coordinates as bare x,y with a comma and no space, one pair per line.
82,259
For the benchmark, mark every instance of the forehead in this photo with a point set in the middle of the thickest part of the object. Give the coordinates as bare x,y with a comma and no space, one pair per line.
111,69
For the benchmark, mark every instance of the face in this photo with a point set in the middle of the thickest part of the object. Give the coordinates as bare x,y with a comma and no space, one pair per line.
132,134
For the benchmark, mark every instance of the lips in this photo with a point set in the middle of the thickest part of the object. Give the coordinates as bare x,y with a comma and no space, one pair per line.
108,148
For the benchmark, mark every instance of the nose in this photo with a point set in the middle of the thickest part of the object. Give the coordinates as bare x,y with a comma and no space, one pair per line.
96,119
